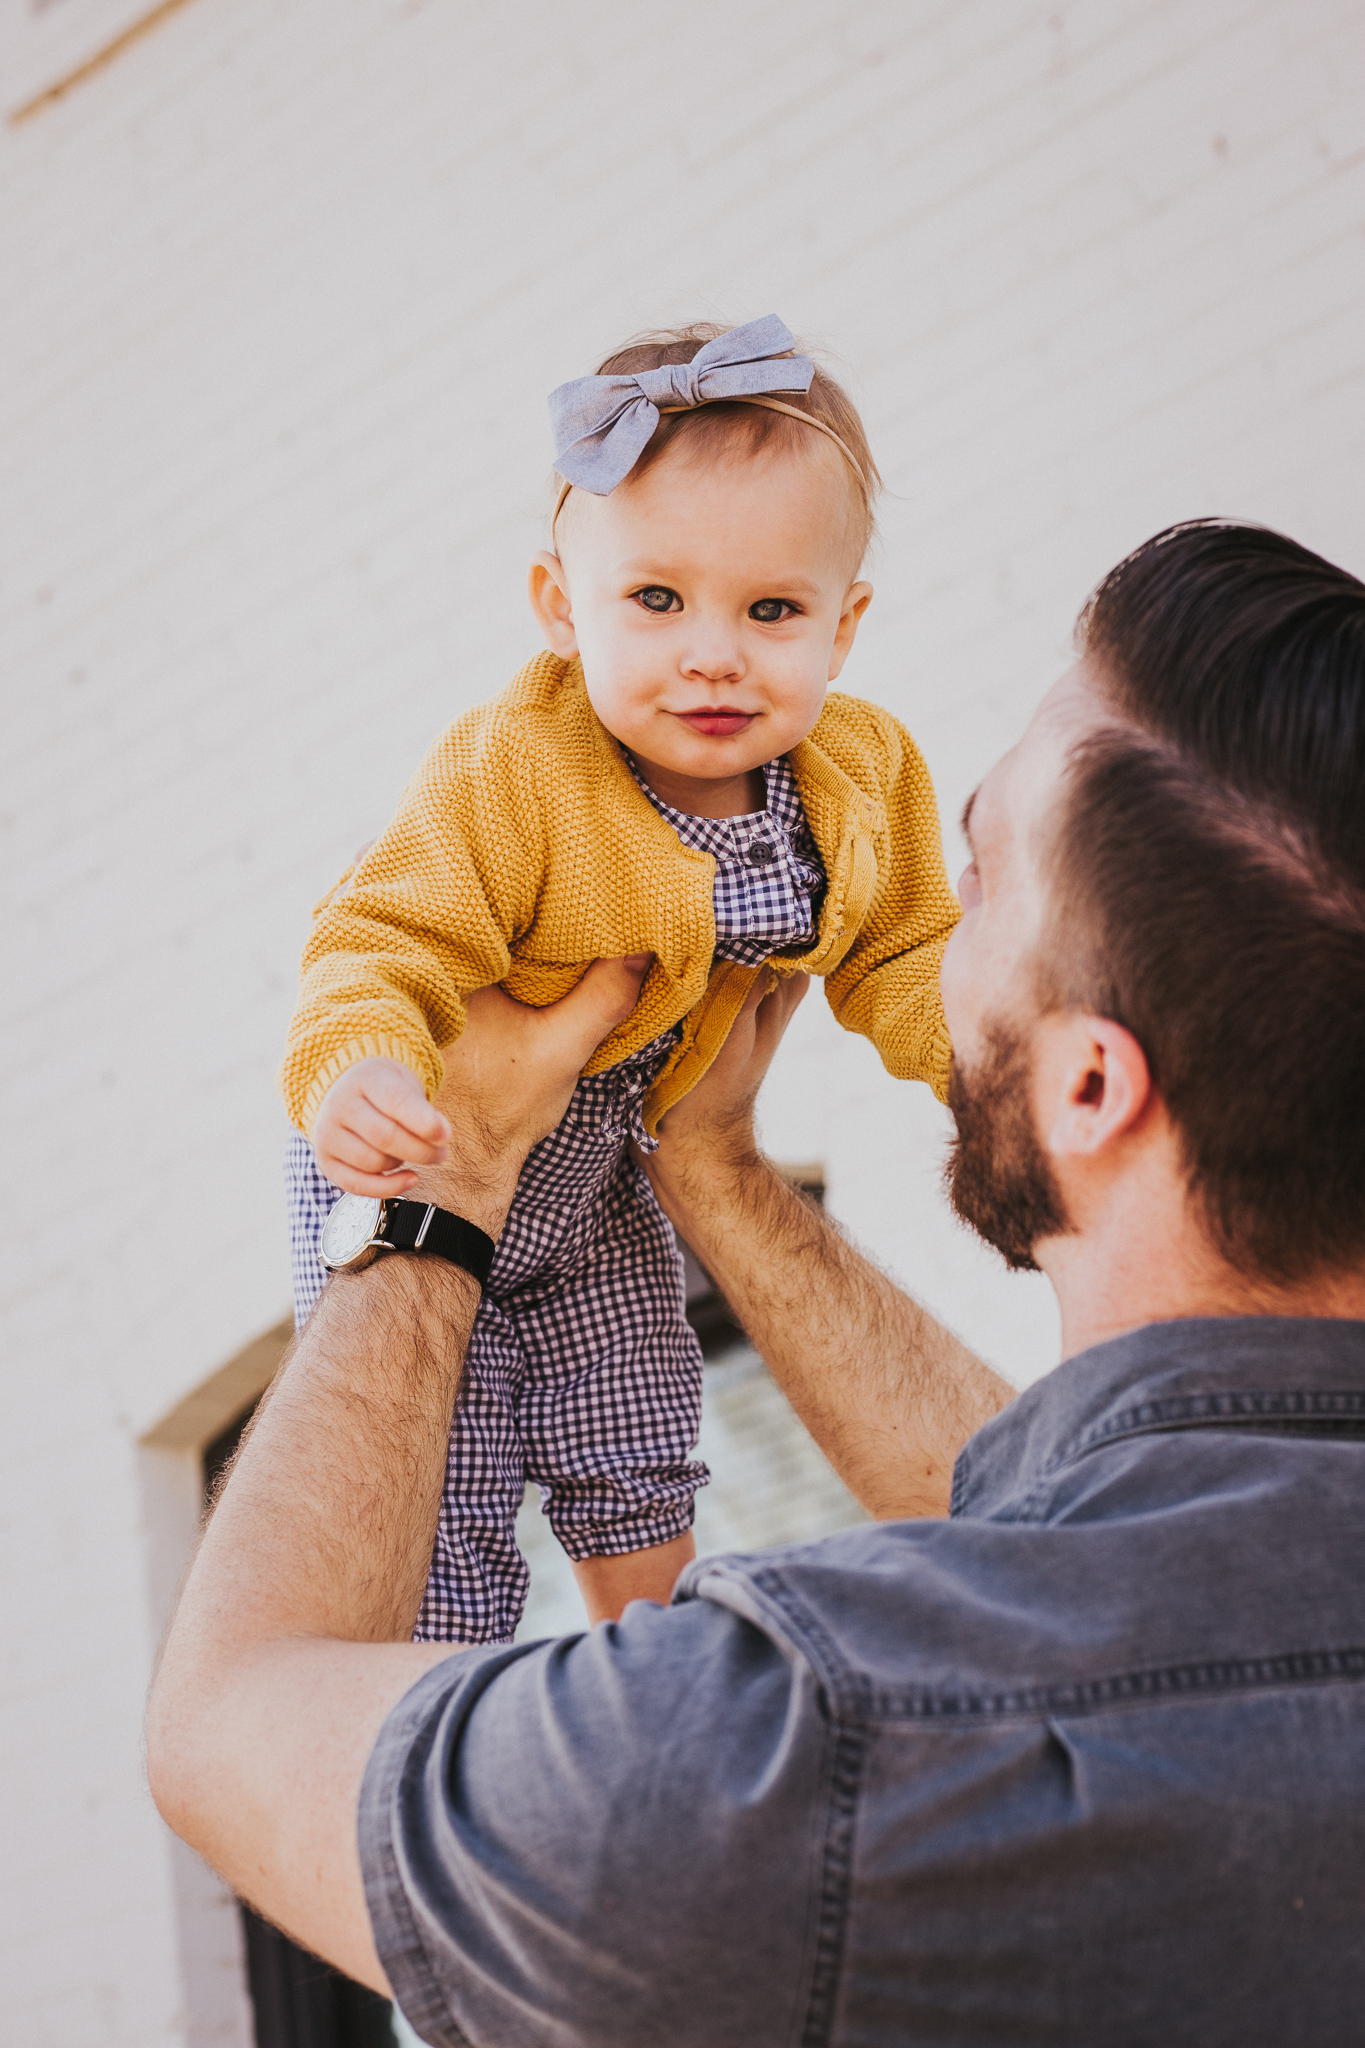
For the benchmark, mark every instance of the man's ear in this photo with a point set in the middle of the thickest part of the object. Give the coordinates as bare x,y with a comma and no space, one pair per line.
548,589
856,602
1097,1085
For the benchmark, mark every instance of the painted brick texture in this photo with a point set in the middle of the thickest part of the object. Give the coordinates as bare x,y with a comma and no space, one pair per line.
286,287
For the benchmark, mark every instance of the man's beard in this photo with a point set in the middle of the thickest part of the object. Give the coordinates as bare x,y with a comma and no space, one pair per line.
998,1177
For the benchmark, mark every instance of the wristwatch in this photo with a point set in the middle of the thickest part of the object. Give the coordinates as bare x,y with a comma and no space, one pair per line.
360,1227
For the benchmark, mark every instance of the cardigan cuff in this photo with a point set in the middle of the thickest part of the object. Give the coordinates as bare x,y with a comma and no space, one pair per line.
430,1071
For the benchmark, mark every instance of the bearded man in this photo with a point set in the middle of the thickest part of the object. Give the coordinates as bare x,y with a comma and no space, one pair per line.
1067,1747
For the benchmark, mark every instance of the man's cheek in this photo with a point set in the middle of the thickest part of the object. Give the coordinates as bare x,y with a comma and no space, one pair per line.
971,979
954,982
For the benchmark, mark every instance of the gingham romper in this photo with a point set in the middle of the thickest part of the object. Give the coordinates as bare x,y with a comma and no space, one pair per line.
582,1372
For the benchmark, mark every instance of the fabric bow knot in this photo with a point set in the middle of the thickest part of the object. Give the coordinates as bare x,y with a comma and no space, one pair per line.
602,424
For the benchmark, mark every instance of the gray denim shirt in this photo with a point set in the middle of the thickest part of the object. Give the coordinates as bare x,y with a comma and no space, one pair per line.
1082,1766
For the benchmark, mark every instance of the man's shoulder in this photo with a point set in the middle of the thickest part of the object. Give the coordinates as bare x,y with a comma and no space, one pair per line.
908,1616
1111,1568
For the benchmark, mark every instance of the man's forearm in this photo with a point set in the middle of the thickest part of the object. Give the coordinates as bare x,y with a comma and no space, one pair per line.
887,1392
335,1500
317,1552
325,1526
291,1644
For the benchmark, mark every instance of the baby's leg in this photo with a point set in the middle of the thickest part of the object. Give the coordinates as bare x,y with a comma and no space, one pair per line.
609,1584
309,1196
611,1403
479,1579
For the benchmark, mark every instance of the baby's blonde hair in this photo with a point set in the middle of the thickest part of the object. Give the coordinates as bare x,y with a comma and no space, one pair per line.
757,428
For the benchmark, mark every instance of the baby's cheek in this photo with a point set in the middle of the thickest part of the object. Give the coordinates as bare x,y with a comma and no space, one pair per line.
797,707
620,701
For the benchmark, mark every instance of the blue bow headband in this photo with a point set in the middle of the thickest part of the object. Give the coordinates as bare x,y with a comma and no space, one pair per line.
603,424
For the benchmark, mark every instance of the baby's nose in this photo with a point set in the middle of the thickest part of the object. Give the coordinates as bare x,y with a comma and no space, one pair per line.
714,655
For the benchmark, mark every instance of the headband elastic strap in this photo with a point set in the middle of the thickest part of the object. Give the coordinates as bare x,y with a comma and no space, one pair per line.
773,405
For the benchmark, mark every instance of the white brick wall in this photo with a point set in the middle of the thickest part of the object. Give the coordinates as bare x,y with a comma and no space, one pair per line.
285,288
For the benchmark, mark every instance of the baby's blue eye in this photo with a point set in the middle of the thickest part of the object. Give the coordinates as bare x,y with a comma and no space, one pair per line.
656,598
769,611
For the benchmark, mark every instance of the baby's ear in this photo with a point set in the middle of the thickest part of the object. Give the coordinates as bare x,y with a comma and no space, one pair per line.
857,598
548,589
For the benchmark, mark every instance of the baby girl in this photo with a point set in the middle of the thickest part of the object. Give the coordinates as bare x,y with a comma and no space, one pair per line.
671,777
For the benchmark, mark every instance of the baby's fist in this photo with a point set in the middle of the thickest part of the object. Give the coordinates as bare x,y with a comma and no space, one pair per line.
374,1124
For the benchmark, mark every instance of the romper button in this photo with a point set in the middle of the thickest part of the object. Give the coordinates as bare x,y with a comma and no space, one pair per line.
759,852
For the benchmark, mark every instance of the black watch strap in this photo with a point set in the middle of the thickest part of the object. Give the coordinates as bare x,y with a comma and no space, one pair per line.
421,1227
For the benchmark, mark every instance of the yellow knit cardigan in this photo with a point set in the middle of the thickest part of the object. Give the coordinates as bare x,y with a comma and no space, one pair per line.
524,850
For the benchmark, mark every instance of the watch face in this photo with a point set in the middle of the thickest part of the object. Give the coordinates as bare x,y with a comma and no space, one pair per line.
349,1228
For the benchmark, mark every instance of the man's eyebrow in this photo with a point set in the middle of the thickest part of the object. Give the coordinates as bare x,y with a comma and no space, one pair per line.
967,815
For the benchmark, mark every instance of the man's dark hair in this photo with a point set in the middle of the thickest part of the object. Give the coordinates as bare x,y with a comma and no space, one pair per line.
1209,876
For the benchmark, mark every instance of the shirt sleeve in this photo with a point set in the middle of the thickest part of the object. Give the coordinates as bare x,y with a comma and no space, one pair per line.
609,1839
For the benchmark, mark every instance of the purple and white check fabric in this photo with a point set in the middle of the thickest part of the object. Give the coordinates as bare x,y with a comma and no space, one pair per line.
582,1372
769,879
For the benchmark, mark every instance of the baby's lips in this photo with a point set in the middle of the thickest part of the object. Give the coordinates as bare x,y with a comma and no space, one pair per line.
717,724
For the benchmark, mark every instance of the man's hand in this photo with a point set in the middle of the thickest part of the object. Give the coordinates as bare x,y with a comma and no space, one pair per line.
509,1079
373,1125
716,1120
507,1084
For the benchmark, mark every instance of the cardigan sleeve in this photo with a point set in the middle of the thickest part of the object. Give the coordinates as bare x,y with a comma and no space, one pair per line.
886,986
425,917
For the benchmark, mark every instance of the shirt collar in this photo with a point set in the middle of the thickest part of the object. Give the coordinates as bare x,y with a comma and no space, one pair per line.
1197,1372
780,798
727,837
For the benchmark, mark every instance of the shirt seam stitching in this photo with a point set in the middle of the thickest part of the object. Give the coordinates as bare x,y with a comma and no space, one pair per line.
1175,1412
1209,1678
836,1872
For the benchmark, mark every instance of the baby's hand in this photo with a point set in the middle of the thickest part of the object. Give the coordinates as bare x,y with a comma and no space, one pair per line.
374,1123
